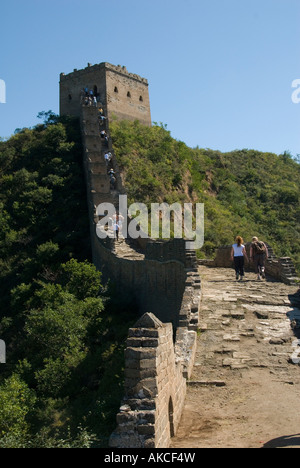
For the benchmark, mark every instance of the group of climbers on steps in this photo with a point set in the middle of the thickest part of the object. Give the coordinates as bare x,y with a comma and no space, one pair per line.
115,223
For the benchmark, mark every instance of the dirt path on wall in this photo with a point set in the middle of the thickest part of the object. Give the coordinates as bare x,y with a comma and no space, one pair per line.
245,388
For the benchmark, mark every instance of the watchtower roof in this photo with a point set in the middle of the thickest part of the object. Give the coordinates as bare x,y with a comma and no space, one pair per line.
121,70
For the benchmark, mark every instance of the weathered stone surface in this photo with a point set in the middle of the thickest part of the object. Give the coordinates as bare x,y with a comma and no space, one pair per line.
255,370
148,320
231,337
243,334
124,94
155,379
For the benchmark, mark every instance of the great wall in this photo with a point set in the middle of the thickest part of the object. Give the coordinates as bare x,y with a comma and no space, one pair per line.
162,277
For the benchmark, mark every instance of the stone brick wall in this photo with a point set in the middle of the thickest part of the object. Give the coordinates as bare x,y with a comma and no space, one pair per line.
154,286
127,95
155,387
157,367
72,84
122,94
165,250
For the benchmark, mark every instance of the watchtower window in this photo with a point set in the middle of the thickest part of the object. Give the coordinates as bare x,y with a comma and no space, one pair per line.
141,98
128,94
116,90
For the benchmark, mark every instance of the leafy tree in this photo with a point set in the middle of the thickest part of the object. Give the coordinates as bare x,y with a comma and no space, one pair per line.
16,401
81,279
62,335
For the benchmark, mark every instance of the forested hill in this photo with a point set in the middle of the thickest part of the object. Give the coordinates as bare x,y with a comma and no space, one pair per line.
64,333
245,192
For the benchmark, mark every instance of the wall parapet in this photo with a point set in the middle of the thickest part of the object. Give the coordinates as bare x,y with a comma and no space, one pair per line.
166,250
122,70
155,387
157,367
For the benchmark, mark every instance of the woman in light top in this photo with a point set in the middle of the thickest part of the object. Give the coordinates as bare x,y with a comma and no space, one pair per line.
238,255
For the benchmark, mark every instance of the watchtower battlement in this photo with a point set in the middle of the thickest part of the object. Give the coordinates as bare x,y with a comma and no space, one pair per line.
123,95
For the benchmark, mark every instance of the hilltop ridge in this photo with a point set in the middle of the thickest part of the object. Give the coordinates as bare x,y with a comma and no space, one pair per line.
245,192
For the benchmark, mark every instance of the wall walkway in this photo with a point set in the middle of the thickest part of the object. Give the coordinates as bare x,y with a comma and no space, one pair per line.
245,385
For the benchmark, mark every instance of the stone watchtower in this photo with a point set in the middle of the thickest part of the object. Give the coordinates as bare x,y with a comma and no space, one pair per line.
122,94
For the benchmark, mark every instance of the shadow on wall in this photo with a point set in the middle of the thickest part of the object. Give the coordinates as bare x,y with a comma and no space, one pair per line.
284,441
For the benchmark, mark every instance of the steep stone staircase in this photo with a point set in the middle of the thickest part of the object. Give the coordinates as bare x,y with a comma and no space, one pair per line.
98,181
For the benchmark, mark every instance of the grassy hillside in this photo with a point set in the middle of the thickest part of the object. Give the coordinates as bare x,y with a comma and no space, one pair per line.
64,334
245,192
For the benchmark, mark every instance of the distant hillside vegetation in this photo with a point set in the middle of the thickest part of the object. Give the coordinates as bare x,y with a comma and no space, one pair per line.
245,192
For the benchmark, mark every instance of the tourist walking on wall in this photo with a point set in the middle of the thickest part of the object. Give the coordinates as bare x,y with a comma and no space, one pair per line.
104,136
112,179
116,229
259,254
238,255
120,220
82,95
107,158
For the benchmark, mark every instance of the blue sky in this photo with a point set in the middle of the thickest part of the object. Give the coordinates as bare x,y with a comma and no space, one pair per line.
220,72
